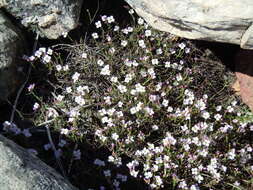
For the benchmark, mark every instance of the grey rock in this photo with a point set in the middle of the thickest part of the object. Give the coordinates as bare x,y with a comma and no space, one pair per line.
227,21
51,18
11,47
23,171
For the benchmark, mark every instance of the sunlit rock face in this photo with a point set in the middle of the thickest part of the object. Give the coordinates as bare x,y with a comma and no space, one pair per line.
227,21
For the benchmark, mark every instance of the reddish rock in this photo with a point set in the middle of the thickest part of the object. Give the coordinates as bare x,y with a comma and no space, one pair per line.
244,74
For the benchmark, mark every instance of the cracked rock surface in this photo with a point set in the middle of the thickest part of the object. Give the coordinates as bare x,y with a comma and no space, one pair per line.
51,18
227,21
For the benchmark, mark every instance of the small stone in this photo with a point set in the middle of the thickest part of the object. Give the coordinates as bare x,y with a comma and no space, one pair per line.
244,74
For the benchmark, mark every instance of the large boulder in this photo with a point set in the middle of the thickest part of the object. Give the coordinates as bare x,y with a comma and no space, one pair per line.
11,49
21,170
229,21
51,18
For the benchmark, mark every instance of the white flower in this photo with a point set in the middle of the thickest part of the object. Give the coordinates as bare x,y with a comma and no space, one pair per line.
65,68
133,110
116,28
135,63
79,100
115,136
120,104
84,55
108,100
179,77
68,90
64,131
114,79
194,187
111,159
64,34
128,63
143,73
167,64
130,29
42,49
170,109
125,31
141,43
148,33
182,185
236,183
38,54
234,103
148,175
110,19
100,62
104,18
112,50
182,45
184,127
158,86
75,77
200,104
105,70
217,117
153,98
165,103
59,98
155,127
31,87
205,115
231,154
154,61
131,11
98,24
122,88
81,89
172,51
187,50
124,43
52,113
140,21
169,140
140,88
47,58
159,51
108,38
36,106
128,78
230,109
149,111
49,51
58,67
159,181
218,108
94,35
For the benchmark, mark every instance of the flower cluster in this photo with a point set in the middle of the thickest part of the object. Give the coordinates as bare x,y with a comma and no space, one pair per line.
139,94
